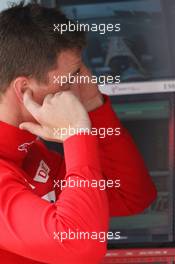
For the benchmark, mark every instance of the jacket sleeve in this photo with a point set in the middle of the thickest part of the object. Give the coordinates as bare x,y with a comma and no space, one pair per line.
32,227
121,160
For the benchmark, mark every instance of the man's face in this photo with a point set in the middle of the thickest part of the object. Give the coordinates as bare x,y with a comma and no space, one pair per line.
68,62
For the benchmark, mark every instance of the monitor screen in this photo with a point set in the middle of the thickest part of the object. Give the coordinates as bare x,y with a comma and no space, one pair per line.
143,47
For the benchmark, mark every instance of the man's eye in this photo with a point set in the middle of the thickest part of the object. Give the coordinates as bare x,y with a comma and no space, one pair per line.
71,79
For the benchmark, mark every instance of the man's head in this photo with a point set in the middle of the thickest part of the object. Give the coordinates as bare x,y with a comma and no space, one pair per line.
31,53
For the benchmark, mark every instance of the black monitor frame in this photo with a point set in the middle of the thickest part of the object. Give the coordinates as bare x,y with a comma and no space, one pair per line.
170,96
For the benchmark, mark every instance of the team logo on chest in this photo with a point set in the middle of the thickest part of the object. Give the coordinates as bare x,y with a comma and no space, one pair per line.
42,174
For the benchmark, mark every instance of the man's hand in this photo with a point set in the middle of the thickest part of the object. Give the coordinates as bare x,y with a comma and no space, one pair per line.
88,93
62,110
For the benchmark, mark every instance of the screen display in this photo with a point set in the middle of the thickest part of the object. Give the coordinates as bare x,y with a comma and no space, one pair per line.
134,52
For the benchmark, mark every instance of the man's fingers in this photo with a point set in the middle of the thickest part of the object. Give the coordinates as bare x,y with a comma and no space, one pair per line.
30,104
32,128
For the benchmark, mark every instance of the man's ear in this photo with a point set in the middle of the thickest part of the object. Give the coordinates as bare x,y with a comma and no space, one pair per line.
20,85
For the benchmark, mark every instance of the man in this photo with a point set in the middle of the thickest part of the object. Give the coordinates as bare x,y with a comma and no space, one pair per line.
33,207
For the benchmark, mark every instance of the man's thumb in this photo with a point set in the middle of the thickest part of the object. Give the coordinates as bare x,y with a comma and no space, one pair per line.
32,128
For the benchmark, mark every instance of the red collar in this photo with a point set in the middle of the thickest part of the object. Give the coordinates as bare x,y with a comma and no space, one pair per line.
14,142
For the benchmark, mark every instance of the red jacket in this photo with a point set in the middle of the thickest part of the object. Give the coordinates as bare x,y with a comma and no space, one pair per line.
29,172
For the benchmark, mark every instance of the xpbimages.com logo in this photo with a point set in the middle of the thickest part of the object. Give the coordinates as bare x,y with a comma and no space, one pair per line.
101,184
102,132
82,79
82,235
76,26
